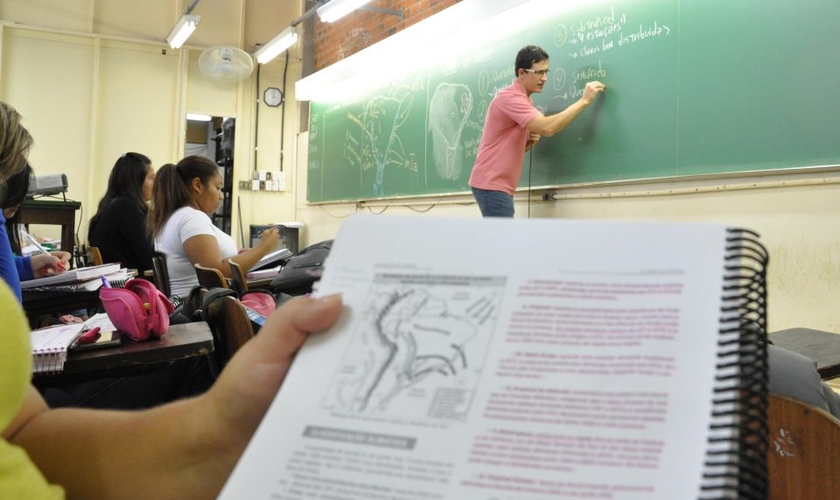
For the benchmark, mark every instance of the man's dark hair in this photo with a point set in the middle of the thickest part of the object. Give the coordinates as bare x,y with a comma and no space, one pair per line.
527,56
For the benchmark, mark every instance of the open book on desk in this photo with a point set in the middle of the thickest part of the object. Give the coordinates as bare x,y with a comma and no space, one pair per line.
525,359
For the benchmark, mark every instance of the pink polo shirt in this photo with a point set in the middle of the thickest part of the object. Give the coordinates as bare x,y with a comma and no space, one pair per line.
498,164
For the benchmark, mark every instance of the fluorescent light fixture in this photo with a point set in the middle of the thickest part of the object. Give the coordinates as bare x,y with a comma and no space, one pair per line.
440,40
182,30
276,45
196,117
336,9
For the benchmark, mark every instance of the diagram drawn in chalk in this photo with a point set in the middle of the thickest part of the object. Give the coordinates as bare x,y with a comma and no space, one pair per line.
449,110
380,145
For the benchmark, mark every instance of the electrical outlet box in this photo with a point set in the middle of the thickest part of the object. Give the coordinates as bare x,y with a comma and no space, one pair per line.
245,185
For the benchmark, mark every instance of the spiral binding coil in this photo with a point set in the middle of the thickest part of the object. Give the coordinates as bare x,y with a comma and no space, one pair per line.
736,463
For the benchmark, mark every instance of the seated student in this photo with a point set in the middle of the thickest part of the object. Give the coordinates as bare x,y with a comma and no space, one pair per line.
183,198
16,268
119,226
201,437
184,449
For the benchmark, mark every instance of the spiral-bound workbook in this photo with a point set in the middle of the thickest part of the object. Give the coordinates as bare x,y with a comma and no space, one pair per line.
513,359
50,345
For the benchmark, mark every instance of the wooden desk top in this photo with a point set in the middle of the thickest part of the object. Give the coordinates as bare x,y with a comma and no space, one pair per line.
180,341
50,203
823,347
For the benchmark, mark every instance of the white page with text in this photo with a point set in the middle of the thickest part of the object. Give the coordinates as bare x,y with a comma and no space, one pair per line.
500,359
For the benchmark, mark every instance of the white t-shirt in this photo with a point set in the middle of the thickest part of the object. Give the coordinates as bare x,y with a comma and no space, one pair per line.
185,223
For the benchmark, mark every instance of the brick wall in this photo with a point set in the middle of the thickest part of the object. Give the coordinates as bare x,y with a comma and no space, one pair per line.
362,28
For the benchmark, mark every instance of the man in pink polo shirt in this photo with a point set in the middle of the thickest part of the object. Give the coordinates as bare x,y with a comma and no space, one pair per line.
512,126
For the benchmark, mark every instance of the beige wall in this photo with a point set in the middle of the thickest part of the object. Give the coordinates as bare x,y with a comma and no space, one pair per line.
95,83
95,78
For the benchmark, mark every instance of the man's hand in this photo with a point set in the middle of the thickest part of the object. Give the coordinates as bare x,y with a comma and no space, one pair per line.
591,90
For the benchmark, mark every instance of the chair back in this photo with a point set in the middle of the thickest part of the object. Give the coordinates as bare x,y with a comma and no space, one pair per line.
230,325
94,256
210,277
161,273
237,279
803,441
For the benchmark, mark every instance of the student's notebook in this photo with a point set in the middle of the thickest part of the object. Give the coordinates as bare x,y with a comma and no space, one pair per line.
508,359
263,274
71,276
272,259
116,280
50,345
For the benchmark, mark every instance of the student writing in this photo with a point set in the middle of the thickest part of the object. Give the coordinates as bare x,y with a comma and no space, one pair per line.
183,198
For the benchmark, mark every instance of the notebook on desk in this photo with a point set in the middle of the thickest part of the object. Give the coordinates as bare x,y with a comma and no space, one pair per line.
63,290
73,275
263,274
272,259
50,345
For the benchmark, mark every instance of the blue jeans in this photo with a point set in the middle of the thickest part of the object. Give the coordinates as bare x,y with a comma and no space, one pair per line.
493,203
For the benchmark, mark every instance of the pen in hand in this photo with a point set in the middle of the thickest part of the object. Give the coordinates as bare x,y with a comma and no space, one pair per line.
59,266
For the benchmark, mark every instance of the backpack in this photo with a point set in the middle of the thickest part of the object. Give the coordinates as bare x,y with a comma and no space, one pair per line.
302,270
194,308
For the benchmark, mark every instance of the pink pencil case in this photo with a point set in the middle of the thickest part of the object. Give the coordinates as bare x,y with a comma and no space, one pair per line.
139,310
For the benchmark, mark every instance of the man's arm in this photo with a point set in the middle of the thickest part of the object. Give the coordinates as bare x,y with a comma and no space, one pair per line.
185,449
549,125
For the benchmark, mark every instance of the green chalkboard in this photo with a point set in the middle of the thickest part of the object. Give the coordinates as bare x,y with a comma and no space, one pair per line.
693,87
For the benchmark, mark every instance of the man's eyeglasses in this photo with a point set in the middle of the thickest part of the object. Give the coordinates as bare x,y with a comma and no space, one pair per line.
540,72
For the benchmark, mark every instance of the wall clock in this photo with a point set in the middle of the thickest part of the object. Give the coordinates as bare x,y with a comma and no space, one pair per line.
273,96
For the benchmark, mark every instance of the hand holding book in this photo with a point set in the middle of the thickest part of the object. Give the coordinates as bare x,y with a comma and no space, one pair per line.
600,366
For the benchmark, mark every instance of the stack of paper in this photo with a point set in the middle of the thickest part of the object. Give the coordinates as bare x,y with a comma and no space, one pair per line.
72,276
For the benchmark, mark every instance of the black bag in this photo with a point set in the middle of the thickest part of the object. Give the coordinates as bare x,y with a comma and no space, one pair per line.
189,309
302,270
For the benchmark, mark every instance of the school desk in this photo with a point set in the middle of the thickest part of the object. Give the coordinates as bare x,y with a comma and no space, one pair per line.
52,212
180,342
